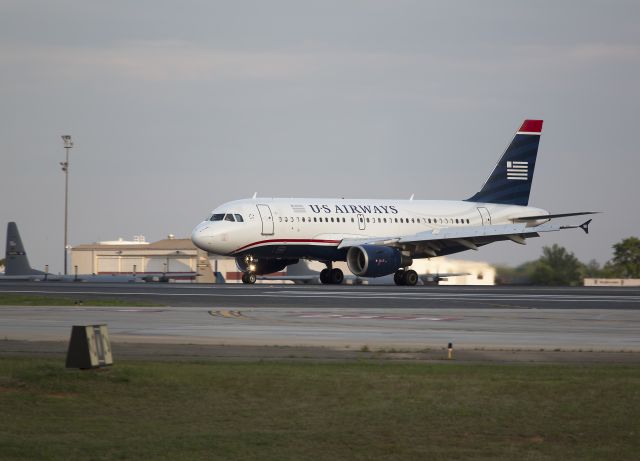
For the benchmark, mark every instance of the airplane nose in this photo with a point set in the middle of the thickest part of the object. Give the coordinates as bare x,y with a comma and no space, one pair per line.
199,236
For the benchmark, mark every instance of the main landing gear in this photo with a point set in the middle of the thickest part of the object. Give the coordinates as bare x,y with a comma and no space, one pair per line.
331,276
249,278
405,277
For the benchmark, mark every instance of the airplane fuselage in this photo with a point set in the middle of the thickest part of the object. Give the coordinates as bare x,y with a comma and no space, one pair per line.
382,237
313,228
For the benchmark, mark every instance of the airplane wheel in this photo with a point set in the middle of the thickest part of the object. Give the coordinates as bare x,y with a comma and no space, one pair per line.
336,276
249,278
399,278
411,277
325,276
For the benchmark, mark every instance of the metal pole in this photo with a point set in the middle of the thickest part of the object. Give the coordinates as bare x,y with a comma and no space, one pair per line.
65,167
66,207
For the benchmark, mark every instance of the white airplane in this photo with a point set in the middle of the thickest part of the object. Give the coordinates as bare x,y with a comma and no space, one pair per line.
382,237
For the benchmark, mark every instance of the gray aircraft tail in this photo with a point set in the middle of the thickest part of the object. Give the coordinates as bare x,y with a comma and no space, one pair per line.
16,261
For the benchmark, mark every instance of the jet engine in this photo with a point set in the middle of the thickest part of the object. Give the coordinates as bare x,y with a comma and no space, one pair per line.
375,260
262,266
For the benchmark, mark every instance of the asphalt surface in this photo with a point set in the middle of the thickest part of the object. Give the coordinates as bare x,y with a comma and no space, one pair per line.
344,296
345,317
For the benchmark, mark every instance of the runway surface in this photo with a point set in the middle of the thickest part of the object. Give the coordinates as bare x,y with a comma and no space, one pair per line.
341,317
318,296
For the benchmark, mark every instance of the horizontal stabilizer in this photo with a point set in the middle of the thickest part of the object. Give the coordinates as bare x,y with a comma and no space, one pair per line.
584,226
551,216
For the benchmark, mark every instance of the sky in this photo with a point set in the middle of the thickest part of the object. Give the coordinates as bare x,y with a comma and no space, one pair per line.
178,107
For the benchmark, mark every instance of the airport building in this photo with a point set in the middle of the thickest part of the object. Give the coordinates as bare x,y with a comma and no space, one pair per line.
122,257
186,263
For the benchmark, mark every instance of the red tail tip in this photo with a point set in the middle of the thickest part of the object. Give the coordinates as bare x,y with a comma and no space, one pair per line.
531,126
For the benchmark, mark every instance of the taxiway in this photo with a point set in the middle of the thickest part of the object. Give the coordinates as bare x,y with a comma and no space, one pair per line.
341,317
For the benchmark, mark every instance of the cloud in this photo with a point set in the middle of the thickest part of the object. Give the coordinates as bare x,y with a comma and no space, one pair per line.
156,61
171,60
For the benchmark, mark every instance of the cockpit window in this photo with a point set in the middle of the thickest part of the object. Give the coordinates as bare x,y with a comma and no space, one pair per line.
227,217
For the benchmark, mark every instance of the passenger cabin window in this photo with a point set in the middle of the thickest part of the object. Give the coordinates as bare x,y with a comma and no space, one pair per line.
217,217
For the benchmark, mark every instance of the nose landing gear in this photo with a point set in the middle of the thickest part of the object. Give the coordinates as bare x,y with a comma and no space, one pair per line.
249,278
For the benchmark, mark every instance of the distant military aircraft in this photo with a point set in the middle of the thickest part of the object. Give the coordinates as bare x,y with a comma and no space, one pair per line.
17,267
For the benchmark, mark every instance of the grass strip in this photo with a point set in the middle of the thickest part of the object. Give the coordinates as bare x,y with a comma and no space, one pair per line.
319,411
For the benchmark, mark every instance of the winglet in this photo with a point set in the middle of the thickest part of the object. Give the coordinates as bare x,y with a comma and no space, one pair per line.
585,226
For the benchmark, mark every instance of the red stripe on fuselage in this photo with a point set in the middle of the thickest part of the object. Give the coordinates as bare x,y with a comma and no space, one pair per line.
261,242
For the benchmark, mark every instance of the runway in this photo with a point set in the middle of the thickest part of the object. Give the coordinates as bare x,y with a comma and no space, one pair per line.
343,296
342,317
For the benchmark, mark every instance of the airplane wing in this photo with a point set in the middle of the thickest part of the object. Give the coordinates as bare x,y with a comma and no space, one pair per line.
440,241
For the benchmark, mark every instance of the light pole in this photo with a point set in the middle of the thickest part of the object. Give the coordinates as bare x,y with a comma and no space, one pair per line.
65,168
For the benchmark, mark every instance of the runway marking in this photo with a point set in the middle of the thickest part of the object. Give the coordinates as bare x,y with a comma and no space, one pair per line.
376,317
228,314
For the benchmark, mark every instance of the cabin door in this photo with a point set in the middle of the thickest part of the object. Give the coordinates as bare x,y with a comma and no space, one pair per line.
484,214
267,219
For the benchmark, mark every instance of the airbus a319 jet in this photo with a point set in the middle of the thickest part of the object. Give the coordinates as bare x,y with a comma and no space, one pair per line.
382,237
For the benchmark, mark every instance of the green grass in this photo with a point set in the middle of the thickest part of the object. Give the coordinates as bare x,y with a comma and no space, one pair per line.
29,300
318,411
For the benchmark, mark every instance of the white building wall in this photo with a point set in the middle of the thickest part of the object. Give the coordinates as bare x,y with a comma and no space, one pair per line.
480,273
109,260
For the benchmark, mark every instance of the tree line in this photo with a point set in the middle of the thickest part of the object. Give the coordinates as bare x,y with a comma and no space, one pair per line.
557,266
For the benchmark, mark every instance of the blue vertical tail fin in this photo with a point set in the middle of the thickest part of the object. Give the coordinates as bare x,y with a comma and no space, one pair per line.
510,181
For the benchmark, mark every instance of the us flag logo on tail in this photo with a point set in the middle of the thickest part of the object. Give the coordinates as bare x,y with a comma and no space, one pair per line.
518,170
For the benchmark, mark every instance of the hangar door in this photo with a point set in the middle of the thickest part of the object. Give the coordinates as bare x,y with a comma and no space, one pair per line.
108,264
181,264
127,264
157,264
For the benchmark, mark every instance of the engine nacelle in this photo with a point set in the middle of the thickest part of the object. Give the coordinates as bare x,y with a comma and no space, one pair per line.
263,266
375,261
